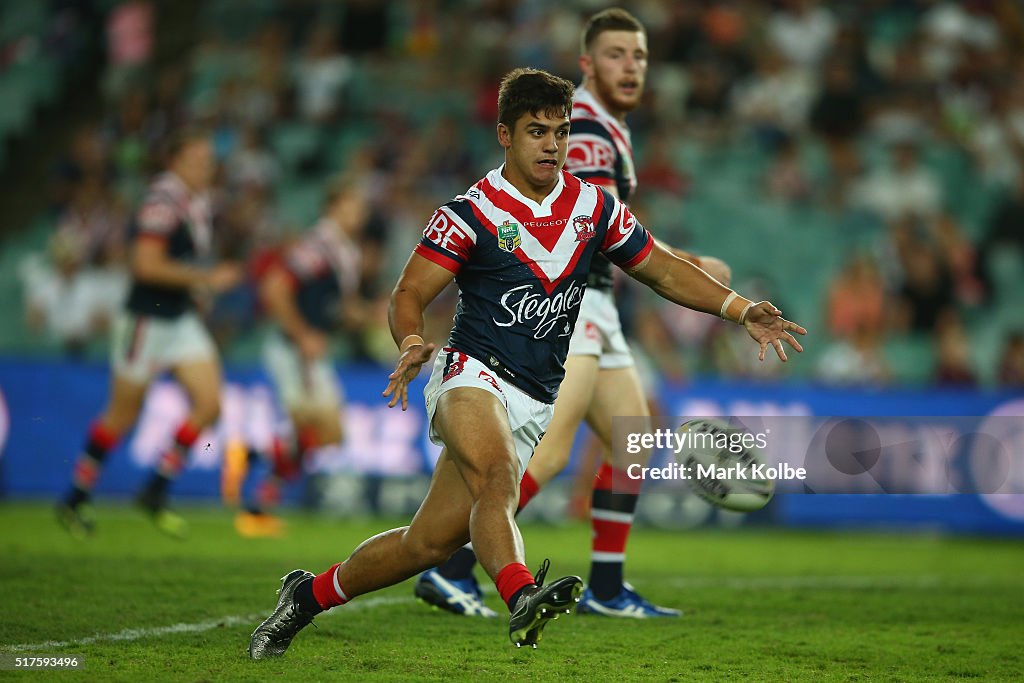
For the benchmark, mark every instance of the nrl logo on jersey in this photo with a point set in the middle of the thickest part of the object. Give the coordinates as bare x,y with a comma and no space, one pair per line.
508,237
584,227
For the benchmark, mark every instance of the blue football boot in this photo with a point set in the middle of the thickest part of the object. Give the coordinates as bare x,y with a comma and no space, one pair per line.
627,604
460,596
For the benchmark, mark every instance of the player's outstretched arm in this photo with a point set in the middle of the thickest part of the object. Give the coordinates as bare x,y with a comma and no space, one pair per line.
420,283
713,266
683,283
151,264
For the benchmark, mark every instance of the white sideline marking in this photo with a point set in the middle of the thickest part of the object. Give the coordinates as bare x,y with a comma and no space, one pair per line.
805,582
198,627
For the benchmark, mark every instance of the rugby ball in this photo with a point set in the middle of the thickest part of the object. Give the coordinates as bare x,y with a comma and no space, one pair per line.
723,464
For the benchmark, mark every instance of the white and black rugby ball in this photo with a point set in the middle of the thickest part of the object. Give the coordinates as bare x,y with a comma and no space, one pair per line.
723,465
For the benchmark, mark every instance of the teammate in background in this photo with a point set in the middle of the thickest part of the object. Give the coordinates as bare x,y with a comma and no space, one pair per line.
600,379
519,243
308,294
159,330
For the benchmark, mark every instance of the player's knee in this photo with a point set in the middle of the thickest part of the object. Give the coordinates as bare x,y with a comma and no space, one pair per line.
429,552
330,430
118,421
206,411
499,484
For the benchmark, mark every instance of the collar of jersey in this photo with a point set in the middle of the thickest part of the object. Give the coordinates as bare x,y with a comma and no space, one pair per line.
498,182
330,231
584,96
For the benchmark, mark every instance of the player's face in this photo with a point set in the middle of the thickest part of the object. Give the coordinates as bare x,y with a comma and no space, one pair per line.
616,66
196,164
535,150
352,212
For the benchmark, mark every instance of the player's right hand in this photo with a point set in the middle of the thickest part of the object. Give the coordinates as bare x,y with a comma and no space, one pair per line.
224,276
765,325
408,367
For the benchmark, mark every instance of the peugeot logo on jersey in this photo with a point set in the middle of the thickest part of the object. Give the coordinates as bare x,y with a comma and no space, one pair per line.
508,237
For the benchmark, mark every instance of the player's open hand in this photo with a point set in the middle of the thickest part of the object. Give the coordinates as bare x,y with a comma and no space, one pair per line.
765,325
408,367
224,276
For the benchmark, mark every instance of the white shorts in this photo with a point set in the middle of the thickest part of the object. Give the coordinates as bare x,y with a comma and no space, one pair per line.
528,418
301,385
143,346
599,333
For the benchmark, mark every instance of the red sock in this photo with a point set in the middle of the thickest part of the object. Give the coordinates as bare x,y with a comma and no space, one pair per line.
174,460
611,515
98,445
308,441
104,437
268,495
326,589
511,579
528,488
282,463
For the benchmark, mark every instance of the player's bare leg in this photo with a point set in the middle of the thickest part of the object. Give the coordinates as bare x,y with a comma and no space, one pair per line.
201,379
315,426
618,392
472,495
120,413
575,396
126,399
451,586
440,524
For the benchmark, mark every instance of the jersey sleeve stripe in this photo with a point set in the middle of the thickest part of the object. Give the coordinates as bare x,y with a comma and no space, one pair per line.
460,221
640,255
428,251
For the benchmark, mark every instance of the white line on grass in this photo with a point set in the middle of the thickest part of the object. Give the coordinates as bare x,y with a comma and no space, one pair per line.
844,582
198,627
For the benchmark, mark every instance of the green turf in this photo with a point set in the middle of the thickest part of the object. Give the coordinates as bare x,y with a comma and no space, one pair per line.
760,605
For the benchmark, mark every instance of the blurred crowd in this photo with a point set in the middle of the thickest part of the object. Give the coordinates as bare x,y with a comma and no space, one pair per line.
836,106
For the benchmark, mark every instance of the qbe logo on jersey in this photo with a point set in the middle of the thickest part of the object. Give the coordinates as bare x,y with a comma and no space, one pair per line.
508,237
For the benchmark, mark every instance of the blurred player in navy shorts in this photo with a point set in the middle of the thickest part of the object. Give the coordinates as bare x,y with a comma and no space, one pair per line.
600,379
519,244
159,329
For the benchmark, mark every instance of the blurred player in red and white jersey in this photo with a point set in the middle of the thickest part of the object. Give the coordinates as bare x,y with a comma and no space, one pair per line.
600,379
171,260
309,294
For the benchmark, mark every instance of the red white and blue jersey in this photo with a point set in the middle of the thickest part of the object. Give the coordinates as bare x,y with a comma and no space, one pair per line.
600,152
522,269
181,219
324,269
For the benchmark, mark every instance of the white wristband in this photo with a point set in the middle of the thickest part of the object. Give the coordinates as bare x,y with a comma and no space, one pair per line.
743,315
402,348
725,304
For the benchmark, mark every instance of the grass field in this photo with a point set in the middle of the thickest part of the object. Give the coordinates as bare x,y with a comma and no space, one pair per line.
760,605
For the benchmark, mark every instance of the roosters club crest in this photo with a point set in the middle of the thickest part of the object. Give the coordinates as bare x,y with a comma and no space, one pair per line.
584,227
508,237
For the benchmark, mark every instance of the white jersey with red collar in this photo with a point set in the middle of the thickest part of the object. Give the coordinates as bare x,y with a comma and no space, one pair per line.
522,268
600,152
324,268
600,147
